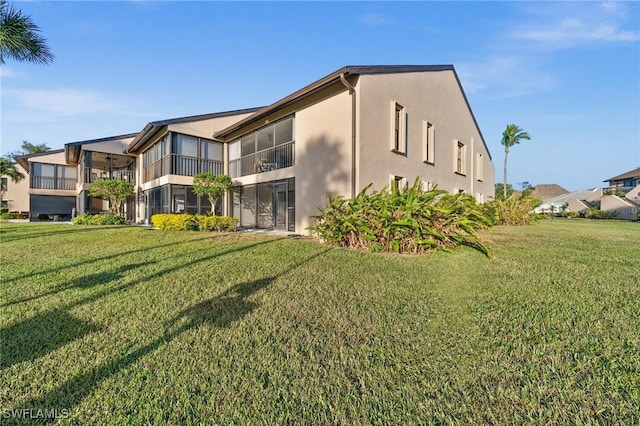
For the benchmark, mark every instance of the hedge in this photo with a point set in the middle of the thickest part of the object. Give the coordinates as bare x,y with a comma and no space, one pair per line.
98,219
189,222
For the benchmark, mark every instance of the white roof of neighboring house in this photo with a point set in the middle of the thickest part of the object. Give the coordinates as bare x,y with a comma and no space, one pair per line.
576,195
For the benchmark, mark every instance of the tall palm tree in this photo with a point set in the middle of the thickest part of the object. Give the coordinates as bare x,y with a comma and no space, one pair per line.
510,137
19,38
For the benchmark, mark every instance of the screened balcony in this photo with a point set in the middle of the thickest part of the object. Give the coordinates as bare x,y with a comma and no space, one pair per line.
52,176
102,166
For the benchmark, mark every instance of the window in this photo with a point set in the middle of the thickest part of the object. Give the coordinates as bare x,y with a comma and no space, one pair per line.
426,185
4,184
398,182
460,155
398,133
479,167
269,148
428,140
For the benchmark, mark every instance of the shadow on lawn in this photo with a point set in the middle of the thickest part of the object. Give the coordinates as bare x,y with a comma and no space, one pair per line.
85,282
107,257
41,234
220,311
37,336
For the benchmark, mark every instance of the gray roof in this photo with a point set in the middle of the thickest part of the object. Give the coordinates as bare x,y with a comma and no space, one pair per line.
628,175
72,149
151,128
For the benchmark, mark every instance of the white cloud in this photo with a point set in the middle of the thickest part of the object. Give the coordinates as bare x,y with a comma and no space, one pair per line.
376,19
504,77
563,25
68,102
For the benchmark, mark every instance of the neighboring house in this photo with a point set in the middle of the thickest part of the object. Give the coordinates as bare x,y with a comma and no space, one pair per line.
52,185
379,125
15,195
620,206
577,201
625,181
623,195
548,191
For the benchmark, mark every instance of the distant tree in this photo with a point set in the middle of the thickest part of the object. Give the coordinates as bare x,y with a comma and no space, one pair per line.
7,168
212,186
500,193
116,191
19,38
510,137
27,148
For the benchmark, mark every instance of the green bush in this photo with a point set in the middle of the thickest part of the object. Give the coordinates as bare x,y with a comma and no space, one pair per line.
4,210
596,213
7,216
98,219
515,210
217,223
189,222
175,222
403,221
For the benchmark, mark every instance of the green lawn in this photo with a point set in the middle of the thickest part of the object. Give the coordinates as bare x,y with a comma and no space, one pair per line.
124,325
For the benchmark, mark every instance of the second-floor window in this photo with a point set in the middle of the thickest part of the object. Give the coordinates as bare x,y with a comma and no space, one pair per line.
52,176
398,128
460,157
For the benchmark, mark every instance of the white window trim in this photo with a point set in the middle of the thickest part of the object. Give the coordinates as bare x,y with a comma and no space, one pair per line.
402,148
428,143
463,167
392,181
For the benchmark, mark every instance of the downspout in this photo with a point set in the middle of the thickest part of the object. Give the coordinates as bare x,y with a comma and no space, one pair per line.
352,92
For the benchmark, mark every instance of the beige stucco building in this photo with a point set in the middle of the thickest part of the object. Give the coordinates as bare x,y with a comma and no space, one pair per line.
15,195
379,125
384,125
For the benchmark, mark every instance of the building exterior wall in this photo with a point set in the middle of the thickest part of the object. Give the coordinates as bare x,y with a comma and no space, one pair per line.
17,194
433,97
323,155
625,210
634,195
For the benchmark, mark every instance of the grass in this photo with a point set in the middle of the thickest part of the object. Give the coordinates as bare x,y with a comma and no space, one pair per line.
123,325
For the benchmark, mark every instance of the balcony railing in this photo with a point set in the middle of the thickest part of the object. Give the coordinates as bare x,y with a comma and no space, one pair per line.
266,160
94,175
46,182
189,166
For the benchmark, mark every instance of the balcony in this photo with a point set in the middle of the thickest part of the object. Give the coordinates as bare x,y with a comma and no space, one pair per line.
94,175
278,157
46,182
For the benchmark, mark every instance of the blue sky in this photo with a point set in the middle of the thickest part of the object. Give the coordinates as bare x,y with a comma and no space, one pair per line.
567,72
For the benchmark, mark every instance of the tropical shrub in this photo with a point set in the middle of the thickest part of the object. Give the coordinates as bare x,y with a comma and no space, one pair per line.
217,223
189,222
407,220
515,210
98,219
